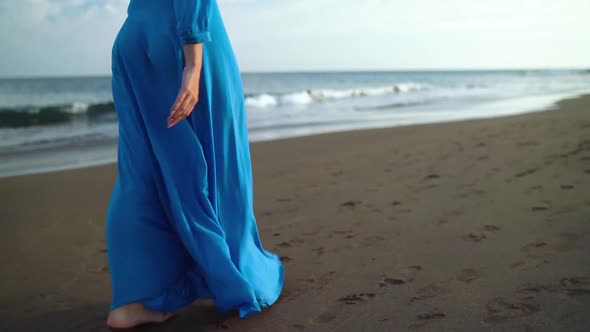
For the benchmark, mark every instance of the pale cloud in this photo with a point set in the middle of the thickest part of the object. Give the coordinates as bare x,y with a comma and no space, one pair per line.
390,34
43,11
50,37
13,12
63,37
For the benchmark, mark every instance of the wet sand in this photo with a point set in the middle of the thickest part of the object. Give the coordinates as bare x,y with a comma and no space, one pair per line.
464,226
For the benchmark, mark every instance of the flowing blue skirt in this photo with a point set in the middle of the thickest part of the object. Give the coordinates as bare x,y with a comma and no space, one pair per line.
180,222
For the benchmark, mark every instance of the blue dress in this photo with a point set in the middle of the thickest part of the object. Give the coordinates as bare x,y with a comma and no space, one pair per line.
180,223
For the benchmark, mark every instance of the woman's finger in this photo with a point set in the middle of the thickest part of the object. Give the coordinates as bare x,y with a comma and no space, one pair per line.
177,104
183,112
174,116
178,101
184,107
188,104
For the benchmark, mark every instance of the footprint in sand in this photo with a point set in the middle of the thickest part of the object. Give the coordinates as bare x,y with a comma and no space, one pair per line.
533,189
337,173
572,286
324,317
565,241
425,318
221,325
575,285
101,269
421,189
491,228
405,276
285,259
431,290
566,186
525,173
501,309
377,210
474,236
455,213
322,280
356,298
479,192
371,240
517,264
542,249
298,327
310,284
351,203
493,171
290,243
527,143
393,281
482,233
561,210
404,211
319,251
467,275
534,246
343,232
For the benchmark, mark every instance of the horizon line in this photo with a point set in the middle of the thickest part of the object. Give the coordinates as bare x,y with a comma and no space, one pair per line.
582,68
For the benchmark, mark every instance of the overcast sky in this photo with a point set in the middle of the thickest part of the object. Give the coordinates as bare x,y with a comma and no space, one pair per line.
74,37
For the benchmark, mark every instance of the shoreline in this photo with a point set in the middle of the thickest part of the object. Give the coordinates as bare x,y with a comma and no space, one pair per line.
112,144
478,224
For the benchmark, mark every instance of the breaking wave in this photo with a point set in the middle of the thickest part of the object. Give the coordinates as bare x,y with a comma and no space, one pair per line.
25,116
264,100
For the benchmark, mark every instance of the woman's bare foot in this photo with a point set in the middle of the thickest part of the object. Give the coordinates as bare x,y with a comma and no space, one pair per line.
134,314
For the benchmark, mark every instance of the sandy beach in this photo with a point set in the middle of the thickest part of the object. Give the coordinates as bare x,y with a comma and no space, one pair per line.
477,225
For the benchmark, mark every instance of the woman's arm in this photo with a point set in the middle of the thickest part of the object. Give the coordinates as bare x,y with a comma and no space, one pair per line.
192,29
188,96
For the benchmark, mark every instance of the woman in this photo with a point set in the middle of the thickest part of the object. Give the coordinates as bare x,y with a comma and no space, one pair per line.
180,223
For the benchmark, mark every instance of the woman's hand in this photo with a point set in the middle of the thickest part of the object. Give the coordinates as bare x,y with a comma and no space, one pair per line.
188,96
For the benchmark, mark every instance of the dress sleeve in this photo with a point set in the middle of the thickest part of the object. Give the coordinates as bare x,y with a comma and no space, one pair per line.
192,20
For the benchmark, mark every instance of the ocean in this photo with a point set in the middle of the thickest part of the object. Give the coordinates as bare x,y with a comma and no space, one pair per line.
67,122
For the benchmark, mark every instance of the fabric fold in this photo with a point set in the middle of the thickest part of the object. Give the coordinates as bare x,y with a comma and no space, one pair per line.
192,20
180,222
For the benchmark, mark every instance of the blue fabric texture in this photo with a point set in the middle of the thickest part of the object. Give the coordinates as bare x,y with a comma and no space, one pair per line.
192,20
180,222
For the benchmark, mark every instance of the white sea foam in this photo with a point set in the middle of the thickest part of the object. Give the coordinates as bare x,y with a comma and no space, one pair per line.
78,107
266,100
262,101
39,117
298,98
